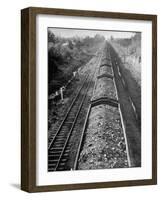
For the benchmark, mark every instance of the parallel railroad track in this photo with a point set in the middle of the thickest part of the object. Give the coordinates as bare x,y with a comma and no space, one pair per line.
59,143
57,129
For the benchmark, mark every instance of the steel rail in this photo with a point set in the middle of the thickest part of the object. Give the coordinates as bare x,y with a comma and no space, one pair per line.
71,105
85,123
65,143
73,125
68,137
62,149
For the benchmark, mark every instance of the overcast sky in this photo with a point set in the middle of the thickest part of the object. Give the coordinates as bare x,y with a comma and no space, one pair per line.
83,33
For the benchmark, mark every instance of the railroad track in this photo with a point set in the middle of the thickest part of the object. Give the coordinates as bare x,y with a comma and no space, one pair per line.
59,142
107,62
57,128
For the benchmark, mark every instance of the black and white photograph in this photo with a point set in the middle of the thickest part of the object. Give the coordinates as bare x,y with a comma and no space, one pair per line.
94,99
89,99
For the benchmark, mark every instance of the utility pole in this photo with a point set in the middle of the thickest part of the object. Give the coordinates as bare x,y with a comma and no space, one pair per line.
61,93
125,55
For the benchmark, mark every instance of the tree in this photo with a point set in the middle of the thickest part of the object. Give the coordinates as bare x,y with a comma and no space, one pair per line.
70,44
51,37
111,38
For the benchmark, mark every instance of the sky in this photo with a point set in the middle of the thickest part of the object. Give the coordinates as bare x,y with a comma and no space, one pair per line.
64,32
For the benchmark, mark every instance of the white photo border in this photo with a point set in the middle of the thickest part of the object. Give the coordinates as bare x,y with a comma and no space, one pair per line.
43,177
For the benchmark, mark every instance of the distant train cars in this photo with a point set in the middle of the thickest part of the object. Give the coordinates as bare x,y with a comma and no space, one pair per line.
106,58
105,88
106,61
105,70
105,85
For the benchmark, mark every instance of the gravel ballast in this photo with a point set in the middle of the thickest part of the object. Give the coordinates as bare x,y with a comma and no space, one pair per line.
104,144
105,70
105,88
